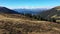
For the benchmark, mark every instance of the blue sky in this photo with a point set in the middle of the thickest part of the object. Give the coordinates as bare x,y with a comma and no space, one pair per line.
29,3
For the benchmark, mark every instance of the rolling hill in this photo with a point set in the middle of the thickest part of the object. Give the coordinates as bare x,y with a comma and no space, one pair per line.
50,14
14,23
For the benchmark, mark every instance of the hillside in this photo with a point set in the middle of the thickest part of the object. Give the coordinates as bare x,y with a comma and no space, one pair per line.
53,13
6,10
20,24
15,25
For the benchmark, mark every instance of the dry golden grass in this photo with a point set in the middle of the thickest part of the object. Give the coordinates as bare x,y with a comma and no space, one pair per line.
23,25
57,20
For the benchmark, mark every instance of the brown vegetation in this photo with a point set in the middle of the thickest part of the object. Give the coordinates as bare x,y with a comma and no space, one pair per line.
9,25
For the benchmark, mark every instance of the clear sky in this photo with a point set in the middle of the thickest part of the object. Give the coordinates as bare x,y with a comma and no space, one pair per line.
29,3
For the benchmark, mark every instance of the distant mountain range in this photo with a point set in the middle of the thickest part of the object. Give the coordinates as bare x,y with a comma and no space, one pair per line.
12,22
48,14
31,11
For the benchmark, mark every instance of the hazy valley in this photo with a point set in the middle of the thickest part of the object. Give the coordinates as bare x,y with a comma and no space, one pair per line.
45,22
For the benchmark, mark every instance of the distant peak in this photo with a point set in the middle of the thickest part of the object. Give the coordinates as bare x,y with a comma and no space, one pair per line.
2,7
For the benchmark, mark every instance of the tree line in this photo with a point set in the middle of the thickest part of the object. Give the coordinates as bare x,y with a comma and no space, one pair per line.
38,17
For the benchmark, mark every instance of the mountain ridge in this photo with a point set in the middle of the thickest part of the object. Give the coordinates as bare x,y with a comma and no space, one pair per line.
49,13
6,10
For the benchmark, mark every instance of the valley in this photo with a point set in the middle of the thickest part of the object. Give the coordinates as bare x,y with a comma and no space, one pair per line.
16,23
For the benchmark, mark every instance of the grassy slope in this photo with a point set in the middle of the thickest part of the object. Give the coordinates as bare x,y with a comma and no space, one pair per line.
52,13
11,24
57,15
57,18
